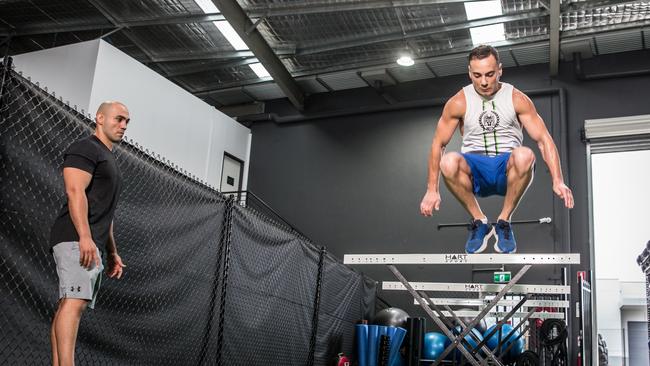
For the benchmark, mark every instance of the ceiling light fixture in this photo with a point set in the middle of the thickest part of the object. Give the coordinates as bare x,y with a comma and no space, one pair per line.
231,35
485,9
488,34
259,70
405,60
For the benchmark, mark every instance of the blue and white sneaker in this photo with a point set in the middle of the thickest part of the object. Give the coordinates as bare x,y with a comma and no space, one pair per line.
505,238
479,234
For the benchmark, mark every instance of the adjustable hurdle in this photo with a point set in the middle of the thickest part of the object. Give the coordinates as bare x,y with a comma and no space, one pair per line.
442,318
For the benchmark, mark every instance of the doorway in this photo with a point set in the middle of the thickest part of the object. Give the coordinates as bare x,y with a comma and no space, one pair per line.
617,158
232,172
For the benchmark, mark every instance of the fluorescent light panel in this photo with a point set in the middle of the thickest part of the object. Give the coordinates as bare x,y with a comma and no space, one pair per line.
483,9
259,69
488,33
231,35
207,6
229,32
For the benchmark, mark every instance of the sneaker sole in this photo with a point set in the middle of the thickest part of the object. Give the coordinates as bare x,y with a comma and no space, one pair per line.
485,242
496,246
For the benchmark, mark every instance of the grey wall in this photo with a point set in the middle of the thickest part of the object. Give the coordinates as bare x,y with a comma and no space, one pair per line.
165,118
354,183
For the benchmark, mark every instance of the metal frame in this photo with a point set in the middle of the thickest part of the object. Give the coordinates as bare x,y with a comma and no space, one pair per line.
396,36
501,314
242,24
533,303
554,37
462,258
481,302
287,9
457,342
80,27
478,287
257,14
592,256
592,245
443,318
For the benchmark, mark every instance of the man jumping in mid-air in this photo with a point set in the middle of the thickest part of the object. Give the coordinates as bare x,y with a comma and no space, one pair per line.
491,116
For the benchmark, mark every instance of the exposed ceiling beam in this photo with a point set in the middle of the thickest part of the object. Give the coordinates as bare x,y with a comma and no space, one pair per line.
214,55
554,37
230,86
170,20
609,28
545,4
502,45
80,27
257,44
396,36
208,66
382,64
456,51
591,4
316,7
127,33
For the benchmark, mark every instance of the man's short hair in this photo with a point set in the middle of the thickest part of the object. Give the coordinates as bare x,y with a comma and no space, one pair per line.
483,51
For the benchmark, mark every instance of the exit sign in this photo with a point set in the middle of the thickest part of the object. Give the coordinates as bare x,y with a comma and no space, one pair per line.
502,277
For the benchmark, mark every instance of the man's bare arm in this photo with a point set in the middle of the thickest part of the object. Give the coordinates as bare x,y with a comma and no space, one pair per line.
76,181
536,128
452,113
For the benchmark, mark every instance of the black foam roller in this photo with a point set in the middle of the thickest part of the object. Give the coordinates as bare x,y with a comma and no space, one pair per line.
384,350
415,335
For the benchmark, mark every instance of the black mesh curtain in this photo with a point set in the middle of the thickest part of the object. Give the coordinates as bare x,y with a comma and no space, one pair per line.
167,230
271,288
207,281
345,298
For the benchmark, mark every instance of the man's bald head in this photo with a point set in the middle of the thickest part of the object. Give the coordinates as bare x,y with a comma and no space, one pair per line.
112,118
106,106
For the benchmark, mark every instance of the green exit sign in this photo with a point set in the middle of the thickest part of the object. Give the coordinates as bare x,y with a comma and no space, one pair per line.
502,277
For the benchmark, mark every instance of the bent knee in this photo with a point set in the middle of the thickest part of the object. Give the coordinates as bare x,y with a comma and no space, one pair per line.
523,158
450,164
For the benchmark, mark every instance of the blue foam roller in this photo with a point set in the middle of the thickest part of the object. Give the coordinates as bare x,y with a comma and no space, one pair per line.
362,343
373,343
395,343
399,361
381,330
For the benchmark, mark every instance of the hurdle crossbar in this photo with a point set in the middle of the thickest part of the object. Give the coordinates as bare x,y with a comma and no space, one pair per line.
481,302
461,258
478,287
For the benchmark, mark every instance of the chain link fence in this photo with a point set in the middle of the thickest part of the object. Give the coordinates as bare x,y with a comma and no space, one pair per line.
208,281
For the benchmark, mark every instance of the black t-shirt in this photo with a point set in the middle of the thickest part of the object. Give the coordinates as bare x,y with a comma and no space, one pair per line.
91,155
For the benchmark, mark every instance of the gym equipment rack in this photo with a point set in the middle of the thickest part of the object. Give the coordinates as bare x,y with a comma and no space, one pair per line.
442,314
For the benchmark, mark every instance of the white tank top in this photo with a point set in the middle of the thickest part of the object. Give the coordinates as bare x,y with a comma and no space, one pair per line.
490,124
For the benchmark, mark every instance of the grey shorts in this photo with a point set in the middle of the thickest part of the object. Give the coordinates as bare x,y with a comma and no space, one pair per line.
76,281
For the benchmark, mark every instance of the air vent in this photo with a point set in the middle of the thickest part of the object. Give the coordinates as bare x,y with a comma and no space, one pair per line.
343,80
619,42
449,65
533,54
231,96
416,72
311,86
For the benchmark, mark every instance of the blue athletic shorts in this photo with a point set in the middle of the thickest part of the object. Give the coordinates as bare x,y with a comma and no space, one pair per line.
488,173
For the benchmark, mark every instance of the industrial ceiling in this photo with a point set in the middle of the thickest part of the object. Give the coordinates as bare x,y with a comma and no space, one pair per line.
293,48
